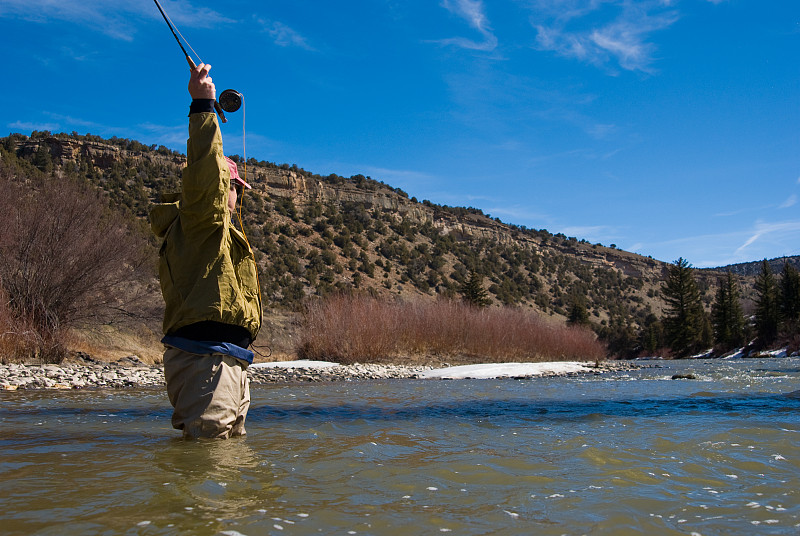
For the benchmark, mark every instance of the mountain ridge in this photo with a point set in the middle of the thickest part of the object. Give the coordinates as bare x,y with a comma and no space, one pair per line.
319,234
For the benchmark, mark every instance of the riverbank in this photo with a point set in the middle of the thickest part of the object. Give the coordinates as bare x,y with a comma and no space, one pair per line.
128,373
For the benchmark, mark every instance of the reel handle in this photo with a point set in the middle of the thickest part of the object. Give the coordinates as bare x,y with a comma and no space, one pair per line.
217,107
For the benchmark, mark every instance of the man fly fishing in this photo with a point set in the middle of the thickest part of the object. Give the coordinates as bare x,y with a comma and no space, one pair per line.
209,282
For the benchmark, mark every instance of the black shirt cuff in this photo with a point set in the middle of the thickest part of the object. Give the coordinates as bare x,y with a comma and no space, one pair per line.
199,106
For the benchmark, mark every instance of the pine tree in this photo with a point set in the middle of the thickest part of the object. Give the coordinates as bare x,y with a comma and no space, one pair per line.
652,337
767,309
578,315
42,159
790,296
685,322
473,292
726,314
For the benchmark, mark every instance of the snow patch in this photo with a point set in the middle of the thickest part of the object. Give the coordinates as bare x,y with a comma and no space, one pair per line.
300,363
506,370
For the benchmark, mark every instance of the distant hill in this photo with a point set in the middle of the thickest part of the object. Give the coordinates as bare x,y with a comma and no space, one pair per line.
752,268
314,235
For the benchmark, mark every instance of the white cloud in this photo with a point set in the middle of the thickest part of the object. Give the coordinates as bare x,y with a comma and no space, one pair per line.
520,215
114,19
593,233
750,243
283,35
781,232
789,202
601,131
397,176
602,31
26,127
473,12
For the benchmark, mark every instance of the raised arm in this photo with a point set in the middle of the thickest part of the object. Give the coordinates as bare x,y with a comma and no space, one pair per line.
206,178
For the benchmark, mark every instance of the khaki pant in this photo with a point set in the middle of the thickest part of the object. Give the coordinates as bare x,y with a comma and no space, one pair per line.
210,394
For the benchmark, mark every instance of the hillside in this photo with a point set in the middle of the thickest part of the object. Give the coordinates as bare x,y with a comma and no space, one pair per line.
754,267
314,235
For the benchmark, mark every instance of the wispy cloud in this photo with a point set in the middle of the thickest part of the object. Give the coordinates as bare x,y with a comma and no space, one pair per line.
602,32
473,12
283,35
601,131
114,19
59,123
169,135
28,126
790,202
592,233
173,136
403,177
781,232
522,216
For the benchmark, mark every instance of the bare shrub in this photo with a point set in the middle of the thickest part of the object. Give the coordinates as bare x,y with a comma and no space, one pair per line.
351,329
64,258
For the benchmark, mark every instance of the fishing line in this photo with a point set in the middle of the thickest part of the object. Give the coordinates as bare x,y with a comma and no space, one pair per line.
239,101
174,29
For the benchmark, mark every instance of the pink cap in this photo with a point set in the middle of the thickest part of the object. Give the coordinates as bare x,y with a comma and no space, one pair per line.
235,173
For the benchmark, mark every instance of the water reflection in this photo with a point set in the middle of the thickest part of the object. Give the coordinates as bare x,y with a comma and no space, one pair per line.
210,484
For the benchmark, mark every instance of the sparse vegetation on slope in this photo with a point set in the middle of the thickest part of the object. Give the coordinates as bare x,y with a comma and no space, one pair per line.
317,236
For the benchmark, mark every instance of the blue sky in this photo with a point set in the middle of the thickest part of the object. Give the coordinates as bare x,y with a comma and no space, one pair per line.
670,128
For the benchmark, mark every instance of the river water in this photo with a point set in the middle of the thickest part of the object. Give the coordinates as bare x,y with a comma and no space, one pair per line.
622,453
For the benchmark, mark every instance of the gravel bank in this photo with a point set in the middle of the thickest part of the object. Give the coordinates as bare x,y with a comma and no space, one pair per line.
129,372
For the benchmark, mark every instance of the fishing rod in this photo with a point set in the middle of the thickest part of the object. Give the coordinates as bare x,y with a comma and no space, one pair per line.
230,100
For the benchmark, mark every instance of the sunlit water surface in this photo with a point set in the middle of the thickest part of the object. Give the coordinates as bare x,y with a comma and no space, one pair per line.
626,453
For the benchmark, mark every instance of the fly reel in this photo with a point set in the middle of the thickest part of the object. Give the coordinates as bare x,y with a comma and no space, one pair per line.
230,100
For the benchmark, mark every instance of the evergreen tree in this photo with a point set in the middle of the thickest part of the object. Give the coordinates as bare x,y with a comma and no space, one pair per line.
578,315
790,295
652,337
473,292
42,159
767,308
726,314
685,322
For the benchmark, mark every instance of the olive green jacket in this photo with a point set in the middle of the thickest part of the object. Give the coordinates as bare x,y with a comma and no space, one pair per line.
206,267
